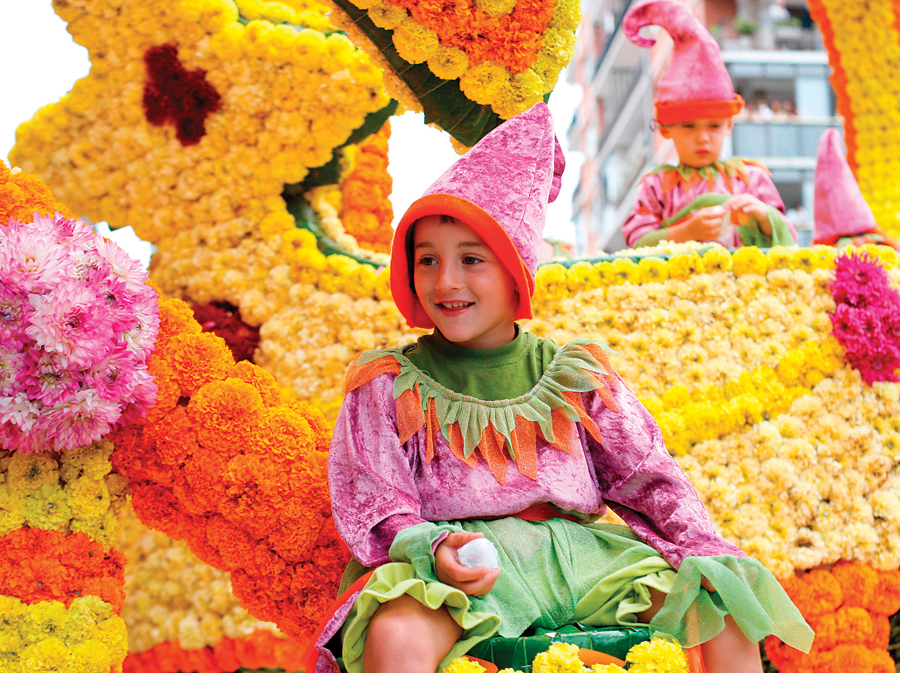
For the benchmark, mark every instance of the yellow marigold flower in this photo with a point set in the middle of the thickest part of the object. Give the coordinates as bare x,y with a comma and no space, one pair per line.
548,70
559,44
624,270
682,267
657,655
449,62
823,256
382,284
88,656
92,461
463,665
82,617
749,260
717,259
386,16
88,498
675,397
525,90
781,257
48,655
42,621
579,276
560,658
114,634
805,260
11,512
484,82
653,270
29,472
606,668
414,42
47,508
495,8
227,43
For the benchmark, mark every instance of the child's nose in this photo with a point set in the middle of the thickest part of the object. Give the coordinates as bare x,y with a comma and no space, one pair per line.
448,278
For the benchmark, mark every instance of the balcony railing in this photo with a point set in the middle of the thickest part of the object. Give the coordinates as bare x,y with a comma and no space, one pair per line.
798,138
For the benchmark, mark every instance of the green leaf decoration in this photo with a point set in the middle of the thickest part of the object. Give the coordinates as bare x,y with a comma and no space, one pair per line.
305,217
444,103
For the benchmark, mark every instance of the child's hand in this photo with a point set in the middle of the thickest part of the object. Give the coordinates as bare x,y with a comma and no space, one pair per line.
471,581
744,205
704,224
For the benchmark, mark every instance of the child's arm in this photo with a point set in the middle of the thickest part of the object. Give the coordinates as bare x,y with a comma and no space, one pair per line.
375,500
645,486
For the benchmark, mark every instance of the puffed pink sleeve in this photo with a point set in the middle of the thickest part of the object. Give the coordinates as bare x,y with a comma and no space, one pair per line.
646,216
370,474
643,484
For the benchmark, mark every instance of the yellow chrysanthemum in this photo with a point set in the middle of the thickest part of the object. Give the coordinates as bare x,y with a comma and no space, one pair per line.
657,655
29,472
749,260
653,270
463,665
682,267
414,42
448,62
484,82
560,658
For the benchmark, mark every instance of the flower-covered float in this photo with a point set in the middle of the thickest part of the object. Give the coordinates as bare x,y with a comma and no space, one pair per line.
772,373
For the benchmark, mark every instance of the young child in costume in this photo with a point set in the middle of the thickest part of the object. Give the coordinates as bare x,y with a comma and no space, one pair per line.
841,216
481,429
732,201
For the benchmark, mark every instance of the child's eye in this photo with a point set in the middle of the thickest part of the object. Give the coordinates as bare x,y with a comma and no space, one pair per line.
426,261
470,260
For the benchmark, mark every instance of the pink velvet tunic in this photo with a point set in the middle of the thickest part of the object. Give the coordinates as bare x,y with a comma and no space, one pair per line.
380,487
654,205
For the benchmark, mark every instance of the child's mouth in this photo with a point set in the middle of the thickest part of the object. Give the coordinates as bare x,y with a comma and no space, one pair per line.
452,307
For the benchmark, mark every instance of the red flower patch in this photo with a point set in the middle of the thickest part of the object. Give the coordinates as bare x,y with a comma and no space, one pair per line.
175,95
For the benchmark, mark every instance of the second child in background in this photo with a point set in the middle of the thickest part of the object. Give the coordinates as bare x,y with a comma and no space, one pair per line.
704,198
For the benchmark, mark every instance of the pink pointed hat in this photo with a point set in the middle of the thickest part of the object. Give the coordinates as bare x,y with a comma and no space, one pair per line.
839,208
696,85
500,188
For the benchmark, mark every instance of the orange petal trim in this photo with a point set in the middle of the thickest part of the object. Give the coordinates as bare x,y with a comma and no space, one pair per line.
575,400
409,414
456,446
602,388
491,448
600,356
567,439
431,431
524,442
358,375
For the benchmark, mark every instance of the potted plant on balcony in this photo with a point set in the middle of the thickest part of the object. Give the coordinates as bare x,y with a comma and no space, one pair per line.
746,29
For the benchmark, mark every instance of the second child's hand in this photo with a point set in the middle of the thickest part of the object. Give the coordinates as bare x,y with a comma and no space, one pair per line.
476,581
704,224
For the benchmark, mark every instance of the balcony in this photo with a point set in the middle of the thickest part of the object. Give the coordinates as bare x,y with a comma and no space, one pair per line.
795,138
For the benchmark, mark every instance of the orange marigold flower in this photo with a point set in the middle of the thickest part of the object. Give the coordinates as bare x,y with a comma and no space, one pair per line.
845,658
284,434
204,471
886,600
317,422
858,583
881,632
23,194
175,317
198,359
817,592
168,389
260,379
227,414
175,437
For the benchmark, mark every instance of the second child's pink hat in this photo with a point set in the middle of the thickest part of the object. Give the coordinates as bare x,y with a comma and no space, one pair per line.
500,188
696,84
839,208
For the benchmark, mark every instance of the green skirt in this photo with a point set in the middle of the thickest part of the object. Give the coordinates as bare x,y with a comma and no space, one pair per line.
559,572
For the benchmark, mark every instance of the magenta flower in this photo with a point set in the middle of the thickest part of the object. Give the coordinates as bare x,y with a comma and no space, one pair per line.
81,421
866,320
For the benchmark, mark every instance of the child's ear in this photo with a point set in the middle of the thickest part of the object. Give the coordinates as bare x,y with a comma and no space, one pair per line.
730,124
664,132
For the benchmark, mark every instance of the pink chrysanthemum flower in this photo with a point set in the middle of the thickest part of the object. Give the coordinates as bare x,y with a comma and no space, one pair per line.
61,230
81,421
75,323
47,377
77,326
28,262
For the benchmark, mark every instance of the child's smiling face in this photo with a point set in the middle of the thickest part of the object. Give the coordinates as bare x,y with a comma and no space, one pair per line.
462,285
699,141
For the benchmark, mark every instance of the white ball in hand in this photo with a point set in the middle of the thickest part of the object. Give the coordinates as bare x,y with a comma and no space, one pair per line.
480,552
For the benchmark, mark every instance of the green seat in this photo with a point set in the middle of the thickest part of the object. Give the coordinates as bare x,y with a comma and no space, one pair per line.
518,653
